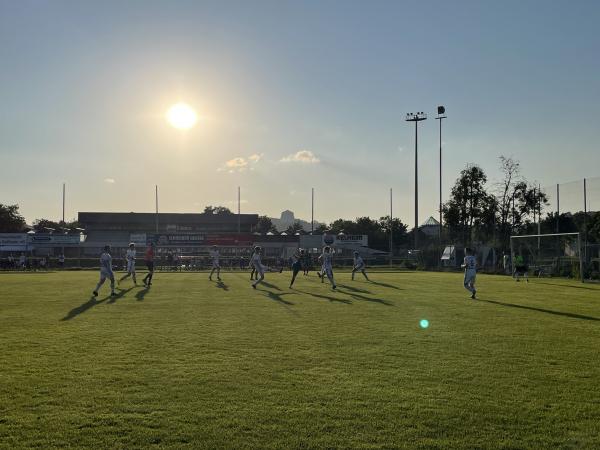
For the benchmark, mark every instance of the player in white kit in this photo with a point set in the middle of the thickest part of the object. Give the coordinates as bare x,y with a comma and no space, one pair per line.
359,266
106,272
130,258
257,266
470,266
214,254
327,268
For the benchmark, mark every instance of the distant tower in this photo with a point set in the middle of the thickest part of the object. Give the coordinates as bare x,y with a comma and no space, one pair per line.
287,217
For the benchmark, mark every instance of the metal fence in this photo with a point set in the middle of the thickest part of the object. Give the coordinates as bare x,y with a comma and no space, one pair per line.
573,197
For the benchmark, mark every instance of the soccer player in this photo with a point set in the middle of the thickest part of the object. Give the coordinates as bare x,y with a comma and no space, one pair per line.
297,259
470,266
306,263
106,272
359,266
257,266
327,268
149,258
214,254
521,268
130,258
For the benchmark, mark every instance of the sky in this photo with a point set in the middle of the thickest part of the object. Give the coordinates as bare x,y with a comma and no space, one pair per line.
290,95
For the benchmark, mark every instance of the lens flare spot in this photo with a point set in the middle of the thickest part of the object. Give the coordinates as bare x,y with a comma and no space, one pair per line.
424,323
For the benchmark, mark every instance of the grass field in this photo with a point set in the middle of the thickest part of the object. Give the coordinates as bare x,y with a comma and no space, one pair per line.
193,364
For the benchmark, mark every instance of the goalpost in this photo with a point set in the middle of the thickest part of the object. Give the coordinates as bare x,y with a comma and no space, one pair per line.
555,254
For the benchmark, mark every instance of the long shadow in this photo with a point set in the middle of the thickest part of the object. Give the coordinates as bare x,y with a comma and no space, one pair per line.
83,308
367,299
327,297
391,286
222,285
269,285
277,297
139,296
547,311
589,288
353,289
120,293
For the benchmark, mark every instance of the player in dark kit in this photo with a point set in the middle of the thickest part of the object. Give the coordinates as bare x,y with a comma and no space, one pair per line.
149,258
296,264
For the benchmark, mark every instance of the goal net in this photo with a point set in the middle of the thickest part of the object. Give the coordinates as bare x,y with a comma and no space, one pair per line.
557,255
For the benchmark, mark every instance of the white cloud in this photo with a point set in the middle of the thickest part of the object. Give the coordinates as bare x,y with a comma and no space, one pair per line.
236,163
241,163
302,156
256,157
109,180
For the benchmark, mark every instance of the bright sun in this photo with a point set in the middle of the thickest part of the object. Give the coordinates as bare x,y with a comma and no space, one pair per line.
182,116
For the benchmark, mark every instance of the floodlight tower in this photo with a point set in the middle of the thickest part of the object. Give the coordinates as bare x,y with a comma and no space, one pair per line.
416,118
441,115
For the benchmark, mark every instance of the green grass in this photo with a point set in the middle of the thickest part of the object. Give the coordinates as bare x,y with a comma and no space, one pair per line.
189,364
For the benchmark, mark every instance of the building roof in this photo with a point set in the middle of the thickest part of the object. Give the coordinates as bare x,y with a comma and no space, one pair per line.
431,222
132,218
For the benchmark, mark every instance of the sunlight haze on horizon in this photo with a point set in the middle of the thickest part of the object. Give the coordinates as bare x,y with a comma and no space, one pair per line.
280,97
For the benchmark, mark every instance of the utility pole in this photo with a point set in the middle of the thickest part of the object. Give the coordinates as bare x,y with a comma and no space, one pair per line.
391,229
239,212
416,118
156,201
312,211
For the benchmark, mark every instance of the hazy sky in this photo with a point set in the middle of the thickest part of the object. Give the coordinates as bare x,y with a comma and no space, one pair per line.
84,87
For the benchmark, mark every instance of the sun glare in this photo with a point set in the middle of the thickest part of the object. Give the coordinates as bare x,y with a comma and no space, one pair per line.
182,116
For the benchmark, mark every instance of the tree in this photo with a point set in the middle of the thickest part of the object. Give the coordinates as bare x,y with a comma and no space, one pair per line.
469,204
217,210
43,225
11,221
321,228
264,225
517,200
294,228
399,230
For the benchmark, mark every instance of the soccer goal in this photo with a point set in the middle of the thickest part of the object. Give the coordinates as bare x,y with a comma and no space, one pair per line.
553,255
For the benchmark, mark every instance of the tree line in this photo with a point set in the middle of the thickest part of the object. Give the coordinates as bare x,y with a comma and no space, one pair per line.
477,212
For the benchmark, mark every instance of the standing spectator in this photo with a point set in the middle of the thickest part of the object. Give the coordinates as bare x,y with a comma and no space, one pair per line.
61,261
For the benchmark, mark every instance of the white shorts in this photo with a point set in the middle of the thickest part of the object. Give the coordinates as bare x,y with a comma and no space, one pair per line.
327,271
131,266
470,276
259,269
215,265
104,274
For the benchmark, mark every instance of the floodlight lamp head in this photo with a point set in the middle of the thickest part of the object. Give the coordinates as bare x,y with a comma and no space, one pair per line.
441,110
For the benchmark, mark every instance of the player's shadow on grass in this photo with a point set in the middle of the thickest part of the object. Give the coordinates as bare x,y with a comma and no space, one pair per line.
353,289
547,311
360,297
139,296
277,297
120,293
83,308
328,297
589,288
222,285
269,285
379,283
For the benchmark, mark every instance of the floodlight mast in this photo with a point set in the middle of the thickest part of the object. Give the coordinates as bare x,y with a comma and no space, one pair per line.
441,115
416,118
